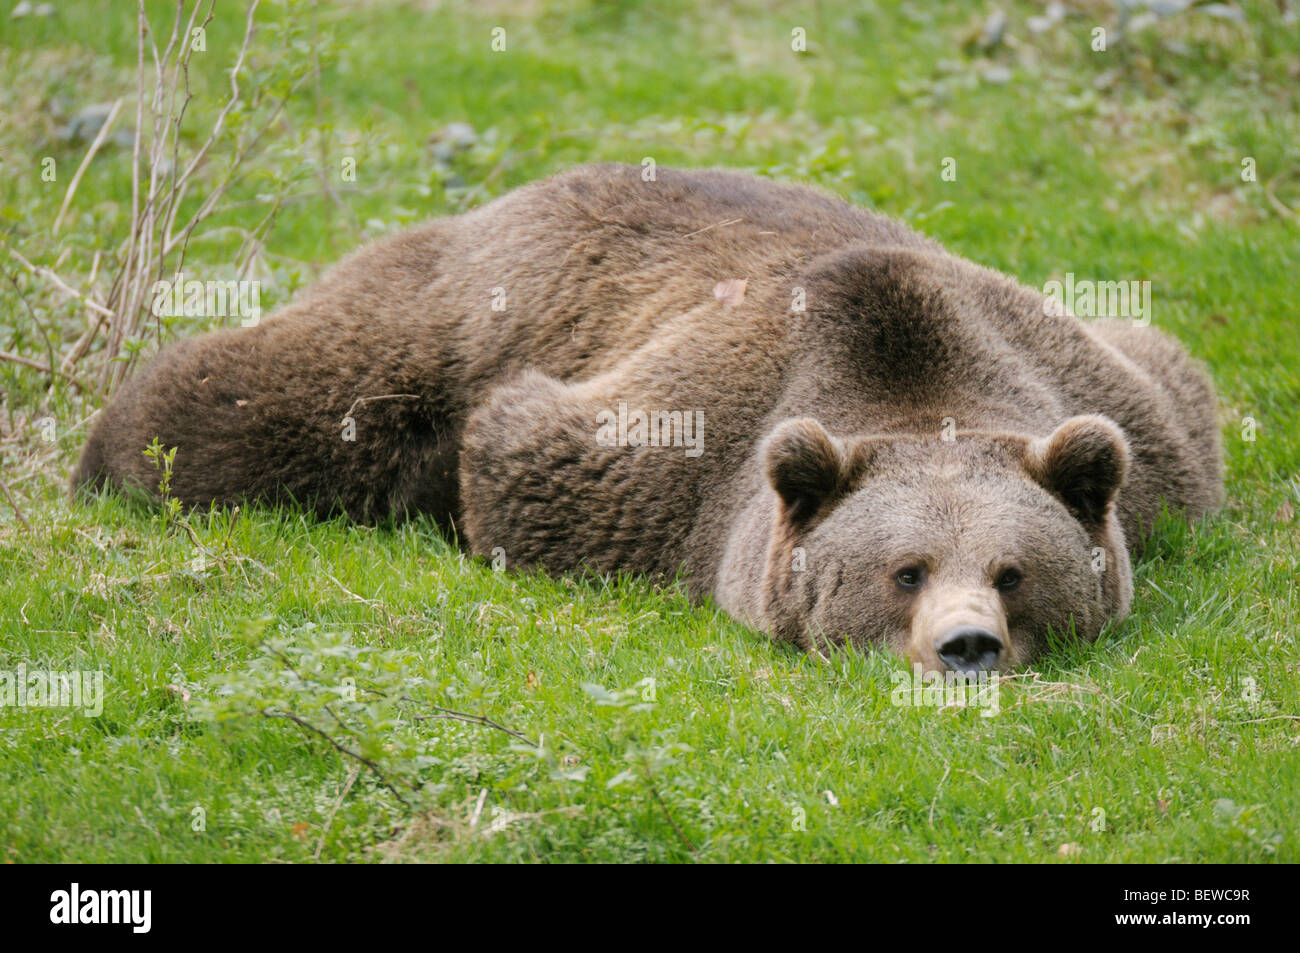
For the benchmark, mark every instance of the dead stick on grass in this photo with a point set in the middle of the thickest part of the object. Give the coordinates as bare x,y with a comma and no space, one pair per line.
85,163
14,503
654,791
62,285
453,715
379,772
320,844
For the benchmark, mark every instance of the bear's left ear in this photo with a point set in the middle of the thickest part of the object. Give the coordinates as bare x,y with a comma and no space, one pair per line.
808,467
1083,462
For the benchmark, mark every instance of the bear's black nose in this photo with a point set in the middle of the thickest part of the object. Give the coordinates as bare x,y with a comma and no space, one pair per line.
968,649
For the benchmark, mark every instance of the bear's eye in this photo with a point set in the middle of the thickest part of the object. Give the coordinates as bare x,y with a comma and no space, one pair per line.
910,578
1008,579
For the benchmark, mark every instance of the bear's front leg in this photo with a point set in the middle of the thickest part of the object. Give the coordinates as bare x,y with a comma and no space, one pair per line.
549,477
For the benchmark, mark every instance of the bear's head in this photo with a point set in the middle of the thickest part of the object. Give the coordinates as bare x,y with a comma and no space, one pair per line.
960,554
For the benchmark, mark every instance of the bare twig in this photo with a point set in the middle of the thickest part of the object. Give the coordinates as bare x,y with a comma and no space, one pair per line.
1270,192
115,333
182,67
478,808
25,361
654,791
1260,721
220,122
14,503
43,368
937,790
155,204
1056,689
344,749
472,719
380,773
318,193
47,368
18,290
320,844
85,163
507,158
62,285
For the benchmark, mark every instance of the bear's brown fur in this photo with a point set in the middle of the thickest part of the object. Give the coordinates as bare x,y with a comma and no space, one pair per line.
897,446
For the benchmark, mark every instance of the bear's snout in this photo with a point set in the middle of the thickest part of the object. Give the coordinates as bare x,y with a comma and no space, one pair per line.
960,628
968,649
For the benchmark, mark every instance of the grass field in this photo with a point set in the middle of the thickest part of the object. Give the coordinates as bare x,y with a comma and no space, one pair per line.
279,688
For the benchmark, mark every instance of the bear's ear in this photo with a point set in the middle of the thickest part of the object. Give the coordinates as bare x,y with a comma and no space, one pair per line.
1083,462
808,467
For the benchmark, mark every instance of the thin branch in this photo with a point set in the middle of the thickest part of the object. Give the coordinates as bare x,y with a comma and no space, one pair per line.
935,800
19,359
85,163
234,95
320,844
468,718
62,285
1270,192
43,368
25,361
317,193
379,772
1260,721
154,205
182,67
118,293
83,343
209,205
654,791
4,487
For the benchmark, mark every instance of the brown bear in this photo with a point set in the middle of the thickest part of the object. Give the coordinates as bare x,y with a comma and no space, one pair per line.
838,430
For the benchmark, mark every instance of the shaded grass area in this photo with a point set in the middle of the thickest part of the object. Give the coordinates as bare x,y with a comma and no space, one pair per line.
1172,739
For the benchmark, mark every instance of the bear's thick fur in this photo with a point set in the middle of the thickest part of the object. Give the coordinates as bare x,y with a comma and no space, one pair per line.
854,435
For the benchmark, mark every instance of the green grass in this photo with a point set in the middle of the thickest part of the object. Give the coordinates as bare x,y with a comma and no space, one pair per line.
1174,738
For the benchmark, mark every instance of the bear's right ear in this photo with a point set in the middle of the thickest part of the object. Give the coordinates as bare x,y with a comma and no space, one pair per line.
808,467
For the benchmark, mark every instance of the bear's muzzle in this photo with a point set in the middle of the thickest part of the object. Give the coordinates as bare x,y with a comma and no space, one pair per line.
963,629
